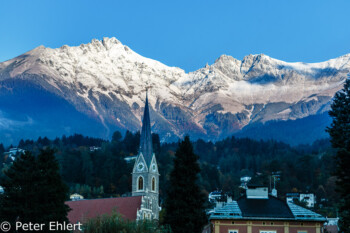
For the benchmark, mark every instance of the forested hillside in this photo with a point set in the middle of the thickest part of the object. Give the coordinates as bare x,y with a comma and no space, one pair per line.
97,168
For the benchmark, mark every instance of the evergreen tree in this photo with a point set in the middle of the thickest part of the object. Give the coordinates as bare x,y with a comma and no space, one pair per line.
2,149
20,199
117,136
184,206
51,190
340,138
34,191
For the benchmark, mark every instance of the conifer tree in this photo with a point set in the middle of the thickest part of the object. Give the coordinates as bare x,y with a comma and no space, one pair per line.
51,190
20,200
184,206
340,138
34,191
2,148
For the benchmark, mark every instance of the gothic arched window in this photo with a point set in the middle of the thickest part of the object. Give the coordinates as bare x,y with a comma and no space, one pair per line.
153,184
140,183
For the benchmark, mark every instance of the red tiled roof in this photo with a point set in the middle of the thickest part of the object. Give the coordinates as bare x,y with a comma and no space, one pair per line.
85,209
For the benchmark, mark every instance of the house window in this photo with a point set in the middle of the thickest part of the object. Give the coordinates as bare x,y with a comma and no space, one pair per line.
267,231
140,183
232,231
153,184
302,231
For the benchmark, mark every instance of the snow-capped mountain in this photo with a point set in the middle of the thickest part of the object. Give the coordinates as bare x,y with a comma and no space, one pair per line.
99,87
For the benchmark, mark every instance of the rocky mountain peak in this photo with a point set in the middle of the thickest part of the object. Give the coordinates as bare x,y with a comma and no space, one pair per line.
105,81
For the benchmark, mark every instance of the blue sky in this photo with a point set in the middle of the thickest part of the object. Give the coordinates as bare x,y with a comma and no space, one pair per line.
187,34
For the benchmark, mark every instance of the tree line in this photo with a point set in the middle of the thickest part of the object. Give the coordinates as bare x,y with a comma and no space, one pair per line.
97,168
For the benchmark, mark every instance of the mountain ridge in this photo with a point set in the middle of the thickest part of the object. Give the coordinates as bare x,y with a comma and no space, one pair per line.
106,82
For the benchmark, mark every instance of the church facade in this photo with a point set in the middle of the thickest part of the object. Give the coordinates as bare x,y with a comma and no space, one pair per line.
144,202
145,175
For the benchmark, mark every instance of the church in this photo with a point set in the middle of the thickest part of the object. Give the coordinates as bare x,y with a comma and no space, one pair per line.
144,202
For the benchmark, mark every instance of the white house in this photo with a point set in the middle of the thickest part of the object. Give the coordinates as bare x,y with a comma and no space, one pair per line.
309,198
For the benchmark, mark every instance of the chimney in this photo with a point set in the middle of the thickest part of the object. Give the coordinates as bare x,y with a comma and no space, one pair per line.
257,192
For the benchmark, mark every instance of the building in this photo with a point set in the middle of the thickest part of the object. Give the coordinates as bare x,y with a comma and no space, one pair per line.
145,175
215,196
76,197
94,148
259,212
143,204
331,226
11,155
291,197
219,199
309,198
244,181
83,210
130,159
14,151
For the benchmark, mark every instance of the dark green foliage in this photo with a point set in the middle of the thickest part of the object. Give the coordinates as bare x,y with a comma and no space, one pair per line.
20,198
51,190
80,140
117,136
88,191
156,144
340,138
2,148
34,191
132,142
115,223
300,203
185,202
103,172
340,113
343,187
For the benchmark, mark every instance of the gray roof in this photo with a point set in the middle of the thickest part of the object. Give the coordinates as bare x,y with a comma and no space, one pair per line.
146,136
301,213
231,210
272,209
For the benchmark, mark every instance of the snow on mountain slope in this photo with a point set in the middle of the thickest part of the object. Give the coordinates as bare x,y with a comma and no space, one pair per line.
106,81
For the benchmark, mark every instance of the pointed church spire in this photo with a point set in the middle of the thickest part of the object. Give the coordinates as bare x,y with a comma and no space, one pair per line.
146,135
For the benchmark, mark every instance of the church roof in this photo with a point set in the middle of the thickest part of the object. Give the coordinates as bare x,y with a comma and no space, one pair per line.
83,210
146,136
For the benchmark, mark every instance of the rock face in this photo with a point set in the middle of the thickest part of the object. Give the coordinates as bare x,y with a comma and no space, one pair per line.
99,87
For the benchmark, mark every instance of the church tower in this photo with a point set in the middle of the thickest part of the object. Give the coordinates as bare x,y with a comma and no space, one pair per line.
145,175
